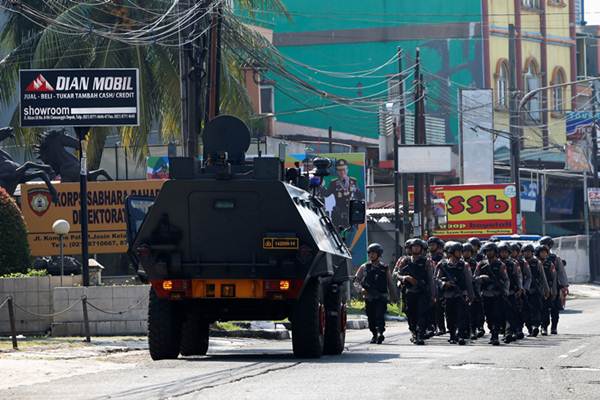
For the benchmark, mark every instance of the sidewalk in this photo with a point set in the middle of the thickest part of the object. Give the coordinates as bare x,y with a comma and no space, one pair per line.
586,290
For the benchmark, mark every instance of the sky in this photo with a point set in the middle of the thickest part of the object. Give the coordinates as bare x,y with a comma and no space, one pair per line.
592,12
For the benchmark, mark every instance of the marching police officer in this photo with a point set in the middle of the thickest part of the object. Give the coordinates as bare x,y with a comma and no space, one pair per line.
436,252
561,275
494,285
375,280
416,278
476,315
538,290
515,290
344,188
454,281
476,243
522,300
551,307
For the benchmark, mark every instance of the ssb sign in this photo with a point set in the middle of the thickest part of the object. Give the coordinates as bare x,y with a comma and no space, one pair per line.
79,97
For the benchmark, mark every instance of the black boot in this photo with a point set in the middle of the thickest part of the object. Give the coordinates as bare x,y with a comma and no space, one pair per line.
494,340
535,332
374,339
380,338
480,332
462,342
419,340
520,335
553,329
544,331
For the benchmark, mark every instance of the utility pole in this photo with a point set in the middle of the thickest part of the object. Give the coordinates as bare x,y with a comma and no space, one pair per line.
397,247
419,139
515,120
214,68
595,180
403,177
330,136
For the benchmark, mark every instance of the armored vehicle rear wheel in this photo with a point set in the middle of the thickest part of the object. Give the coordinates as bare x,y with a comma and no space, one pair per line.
335,322
164,328
194,337
308,322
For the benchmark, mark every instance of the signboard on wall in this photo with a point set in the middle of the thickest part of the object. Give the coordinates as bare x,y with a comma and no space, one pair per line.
106,214
594,199
79,97
579,141
463,211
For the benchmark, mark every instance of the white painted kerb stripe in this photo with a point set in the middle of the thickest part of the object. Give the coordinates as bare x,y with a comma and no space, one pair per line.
104,110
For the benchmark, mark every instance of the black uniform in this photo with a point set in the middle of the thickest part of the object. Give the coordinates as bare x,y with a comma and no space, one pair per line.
477,317
375,278
494,285
552,304
522,301
454,281
511,310
438,321
538,290
418,297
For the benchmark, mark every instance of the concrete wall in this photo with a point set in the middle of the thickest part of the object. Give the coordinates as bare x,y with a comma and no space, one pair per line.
109,298
574,250
35,295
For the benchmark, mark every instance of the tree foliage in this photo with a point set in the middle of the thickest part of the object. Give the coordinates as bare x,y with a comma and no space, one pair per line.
14,249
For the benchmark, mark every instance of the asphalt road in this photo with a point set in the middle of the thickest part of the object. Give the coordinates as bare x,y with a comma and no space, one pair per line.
566,366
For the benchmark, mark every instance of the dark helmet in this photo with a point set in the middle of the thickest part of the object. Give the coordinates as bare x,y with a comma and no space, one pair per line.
528,247
489,246
436,240
452,247
516,246
503,246
375,248
468,247
409,243
421,243
547,241
538,249
475,242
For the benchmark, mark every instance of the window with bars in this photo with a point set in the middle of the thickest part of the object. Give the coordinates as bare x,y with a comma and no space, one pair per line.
532,81
267,101
558,93
531,3
502,85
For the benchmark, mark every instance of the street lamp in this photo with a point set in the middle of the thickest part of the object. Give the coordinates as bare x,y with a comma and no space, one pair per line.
61,228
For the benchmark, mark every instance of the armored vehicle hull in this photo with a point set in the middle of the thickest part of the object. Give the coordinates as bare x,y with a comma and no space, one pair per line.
241,248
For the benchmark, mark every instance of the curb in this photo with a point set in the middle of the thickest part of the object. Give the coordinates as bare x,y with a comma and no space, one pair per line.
253,334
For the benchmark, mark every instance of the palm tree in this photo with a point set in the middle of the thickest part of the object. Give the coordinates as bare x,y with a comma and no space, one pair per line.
38,35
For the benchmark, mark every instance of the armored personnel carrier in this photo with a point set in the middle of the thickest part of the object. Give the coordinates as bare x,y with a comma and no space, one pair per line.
228,239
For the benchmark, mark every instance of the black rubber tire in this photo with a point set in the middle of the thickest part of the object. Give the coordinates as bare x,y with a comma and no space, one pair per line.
335,325
308,338
194,337
164,328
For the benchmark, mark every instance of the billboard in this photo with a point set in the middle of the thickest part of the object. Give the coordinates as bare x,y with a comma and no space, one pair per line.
106,215
157,167
462,211
346,182
79,97
477,141
579,141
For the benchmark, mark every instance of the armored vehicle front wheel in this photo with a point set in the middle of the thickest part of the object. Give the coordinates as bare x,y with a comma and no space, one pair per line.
194,337
335,322
164,328
308,322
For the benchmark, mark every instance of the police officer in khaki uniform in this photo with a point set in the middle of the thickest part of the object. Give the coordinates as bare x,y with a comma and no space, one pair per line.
344,188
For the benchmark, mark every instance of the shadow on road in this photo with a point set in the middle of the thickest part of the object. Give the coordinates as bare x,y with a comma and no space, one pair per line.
274,358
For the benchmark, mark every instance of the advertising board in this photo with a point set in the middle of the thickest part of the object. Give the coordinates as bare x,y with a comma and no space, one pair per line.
106,215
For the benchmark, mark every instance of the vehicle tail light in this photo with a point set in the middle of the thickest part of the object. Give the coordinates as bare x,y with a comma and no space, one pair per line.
167,285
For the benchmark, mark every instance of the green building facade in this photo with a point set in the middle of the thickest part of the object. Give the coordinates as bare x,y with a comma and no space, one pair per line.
344,48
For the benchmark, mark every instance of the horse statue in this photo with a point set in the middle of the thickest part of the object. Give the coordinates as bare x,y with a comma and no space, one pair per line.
12,174
52,150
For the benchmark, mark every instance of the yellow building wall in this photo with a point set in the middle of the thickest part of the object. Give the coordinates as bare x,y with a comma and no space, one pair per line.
501,14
